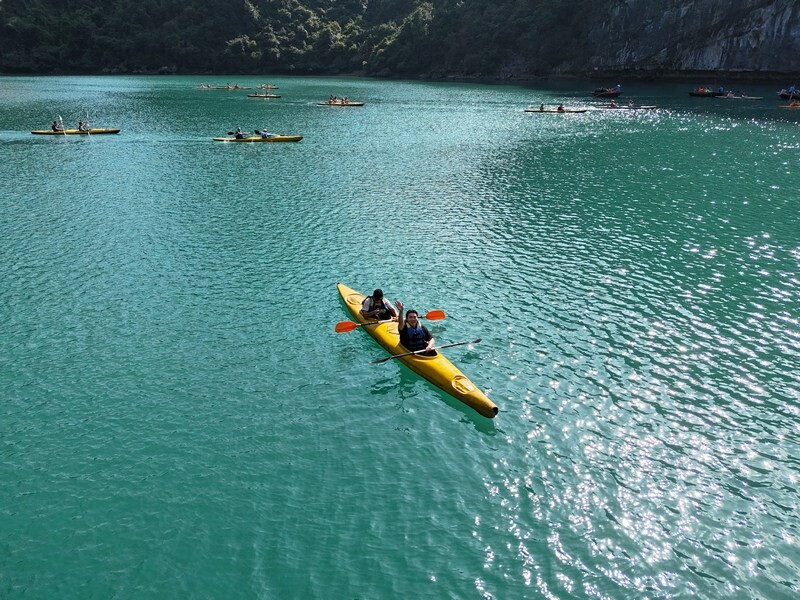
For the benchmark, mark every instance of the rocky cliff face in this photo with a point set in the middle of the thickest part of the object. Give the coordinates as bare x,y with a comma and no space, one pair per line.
672,36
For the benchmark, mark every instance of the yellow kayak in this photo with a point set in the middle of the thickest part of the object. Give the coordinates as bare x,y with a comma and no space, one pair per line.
436,369
273,138
73,131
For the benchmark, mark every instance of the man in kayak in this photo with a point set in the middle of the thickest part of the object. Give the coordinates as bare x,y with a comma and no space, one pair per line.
238,134
377,307
413,334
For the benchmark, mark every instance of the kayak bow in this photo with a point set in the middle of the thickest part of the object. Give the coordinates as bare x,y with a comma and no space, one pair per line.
436,369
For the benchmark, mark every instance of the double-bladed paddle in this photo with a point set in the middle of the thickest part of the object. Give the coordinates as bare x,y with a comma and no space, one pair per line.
346,326
383,360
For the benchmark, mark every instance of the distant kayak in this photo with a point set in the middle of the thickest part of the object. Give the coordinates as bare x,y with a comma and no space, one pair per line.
627,107
558,112
742,97
73,131
337,103
789,106
263,95
272,138
232,87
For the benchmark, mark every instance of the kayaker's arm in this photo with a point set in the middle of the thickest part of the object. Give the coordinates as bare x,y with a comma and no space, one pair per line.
431,341
400,322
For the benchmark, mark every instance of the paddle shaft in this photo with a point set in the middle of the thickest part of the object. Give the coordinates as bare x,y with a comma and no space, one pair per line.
382,360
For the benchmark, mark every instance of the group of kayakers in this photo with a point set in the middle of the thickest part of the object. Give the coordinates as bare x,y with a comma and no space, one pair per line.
336,100
239,134
59,126
413,334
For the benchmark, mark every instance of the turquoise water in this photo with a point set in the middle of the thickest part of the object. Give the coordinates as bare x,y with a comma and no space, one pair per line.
179,419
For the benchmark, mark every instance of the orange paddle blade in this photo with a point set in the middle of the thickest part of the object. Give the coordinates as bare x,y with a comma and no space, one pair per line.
345,326
435,315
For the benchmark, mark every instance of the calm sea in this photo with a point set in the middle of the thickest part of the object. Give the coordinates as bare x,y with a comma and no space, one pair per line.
178,418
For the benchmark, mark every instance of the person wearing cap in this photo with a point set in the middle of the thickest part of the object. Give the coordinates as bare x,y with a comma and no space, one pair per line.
413,334
377,307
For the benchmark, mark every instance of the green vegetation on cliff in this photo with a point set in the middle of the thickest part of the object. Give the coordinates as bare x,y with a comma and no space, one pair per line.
389,37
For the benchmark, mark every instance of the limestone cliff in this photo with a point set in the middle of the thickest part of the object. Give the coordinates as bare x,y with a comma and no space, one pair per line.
673,36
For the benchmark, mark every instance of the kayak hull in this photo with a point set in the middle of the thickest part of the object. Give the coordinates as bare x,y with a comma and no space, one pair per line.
436,369
274,138
556,112
340,103
263,95
73,132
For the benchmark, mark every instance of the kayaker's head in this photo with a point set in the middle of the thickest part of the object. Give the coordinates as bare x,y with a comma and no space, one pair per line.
377,294
412,317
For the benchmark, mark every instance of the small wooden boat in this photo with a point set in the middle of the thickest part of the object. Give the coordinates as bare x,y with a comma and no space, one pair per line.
706,92
263,95
339,103
73,131
258,138
556,111
607,92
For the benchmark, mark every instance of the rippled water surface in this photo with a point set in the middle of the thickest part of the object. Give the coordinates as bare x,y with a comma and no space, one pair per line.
179,419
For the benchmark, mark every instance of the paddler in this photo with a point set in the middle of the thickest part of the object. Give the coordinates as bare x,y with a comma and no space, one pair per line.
413,334
378,307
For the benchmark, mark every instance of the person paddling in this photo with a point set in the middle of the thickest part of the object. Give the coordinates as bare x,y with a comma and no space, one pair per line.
413,334
377,307
238,135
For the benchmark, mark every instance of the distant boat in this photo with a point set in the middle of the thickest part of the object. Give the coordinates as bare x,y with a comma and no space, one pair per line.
607,92
707,92
263,95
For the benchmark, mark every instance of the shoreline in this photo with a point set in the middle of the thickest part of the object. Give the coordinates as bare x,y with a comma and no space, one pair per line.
632,76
